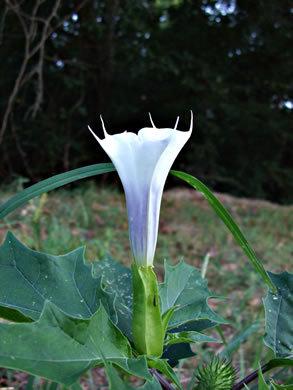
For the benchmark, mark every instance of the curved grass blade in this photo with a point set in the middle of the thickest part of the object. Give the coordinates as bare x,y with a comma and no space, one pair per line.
229,222
53,183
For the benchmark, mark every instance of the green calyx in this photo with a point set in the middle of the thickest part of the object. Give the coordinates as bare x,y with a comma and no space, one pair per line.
219,375
147,326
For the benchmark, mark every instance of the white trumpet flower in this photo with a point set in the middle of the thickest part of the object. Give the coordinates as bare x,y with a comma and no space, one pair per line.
143,162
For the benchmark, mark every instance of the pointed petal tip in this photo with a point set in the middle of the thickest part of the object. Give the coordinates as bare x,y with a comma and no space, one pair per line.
151,119
191,121
96,137
176,124
88,126
103,126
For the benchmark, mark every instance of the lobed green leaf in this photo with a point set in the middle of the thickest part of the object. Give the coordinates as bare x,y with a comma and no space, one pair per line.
28,278
184,287
279,318
61,348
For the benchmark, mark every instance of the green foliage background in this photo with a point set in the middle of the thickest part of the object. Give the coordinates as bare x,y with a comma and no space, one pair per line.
228,61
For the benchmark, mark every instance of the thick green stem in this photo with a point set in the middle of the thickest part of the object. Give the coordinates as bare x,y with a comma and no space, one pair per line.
147,328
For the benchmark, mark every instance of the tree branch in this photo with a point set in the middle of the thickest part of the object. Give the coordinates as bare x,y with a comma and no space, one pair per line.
30,50
20,149
2,25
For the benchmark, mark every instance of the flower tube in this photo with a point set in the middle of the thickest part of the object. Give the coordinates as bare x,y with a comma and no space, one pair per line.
143,162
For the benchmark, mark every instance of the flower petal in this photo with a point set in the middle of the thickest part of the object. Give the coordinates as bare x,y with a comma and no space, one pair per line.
143,162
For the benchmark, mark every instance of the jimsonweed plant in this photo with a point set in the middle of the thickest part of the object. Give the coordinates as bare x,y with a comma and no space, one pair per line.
67,316
143,162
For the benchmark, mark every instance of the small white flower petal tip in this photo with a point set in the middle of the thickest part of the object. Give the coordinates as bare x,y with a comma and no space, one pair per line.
191,121
96,137
176,124
151,119
103,125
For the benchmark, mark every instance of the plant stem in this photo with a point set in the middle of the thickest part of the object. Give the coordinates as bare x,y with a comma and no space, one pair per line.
246,380
266,367
165,385
251,377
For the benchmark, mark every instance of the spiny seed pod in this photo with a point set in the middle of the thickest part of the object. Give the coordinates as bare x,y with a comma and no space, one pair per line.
219,375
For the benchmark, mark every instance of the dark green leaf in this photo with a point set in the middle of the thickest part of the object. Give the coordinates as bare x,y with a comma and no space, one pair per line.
182,351
174,353
62,348
279,318
12,314
184,286
188,337
53,183
228,221
197,326
280,387
28,278
281,362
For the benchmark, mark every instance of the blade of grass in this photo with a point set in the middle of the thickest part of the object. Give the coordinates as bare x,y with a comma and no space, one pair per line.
258,354
53,386
53,183
91,380
221,334
30,382
241,362
205,265
229,222
180,366
240,338
76,386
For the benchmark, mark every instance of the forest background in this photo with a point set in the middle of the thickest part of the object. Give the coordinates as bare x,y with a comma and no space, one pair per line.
230,62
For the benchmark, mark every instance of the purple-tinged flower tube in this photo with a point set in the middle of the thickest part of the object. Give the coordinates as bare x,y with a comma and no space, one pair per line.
143,162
